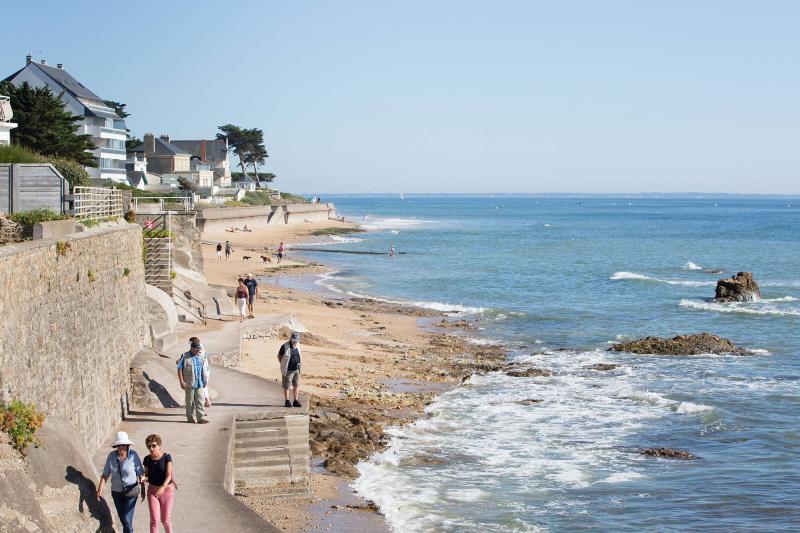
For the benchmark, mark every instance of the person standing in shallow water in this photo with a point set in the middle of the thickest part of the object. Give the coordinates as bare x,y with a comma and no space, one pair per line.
160,484
125,469
289,359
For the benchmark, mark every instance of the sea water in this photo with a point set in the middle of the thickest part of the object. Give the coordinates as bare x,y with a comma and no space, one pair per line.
557,280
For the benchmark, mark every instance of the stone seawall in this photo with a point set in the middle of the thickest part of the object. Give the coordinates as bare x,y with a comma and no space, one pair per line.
73,318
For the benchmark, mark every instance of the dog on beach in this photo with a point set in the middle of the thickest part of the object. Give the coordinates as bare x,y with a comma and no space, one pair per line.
246,258
266,259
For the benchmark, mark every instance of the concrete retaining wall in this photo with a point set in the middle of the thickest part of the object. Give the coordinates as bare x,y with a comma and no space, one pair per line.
220,219
72,323
54,228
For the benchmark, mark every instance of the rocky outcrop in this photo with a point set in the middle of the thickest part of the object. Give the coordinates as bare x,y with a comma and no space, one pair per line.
527,372
602,367
739,288
668,453
700,343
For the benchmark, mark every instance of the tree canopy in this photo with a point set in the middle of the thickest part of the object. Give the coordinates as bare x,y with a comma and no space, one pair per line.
44,126
247,144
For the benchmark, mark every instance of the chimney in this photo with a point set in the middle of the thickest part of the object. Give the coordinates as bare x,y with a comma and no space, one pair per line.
28,59
202,150
164,138
44,62
60,65
149,143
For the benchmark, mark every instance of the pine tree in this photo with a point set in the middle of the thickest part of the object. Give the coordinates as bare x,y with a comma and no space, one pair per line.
44,126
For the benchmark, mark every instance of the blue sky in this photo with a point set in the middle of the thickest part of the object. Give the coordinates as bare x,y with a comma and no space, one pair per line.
460,96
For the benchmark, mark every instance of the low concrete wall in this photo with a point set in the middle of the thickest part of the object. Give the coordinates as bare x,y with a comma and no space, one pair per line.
259,217
220,219
54,228
72,322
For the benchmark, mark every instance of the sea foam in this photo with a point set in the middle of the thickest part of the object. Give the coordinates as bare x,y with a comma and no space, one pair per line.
692,266
642,277
751,308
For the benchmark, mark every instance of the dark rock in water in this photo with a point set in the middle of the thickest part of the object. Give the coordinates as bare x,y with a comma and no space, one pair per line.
740,288
712,270
527,372
699,343
601,366
529,401
668,453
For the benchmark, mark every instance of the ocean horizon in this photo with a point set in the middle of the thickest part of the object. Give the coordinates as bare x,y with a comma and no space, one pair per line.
556,281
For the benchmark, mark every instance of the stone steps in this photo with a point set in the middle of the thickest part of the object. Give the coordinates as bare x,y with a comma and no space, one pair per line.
270,450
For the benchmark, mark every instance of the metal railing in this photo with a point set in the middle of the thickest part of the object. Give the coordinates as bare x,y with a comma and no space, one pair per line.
190,304
160,204
96,203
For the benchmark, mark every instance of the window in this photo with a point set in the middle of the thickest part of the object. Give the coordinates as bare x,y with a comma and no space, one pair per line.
106,163
116,144
109,123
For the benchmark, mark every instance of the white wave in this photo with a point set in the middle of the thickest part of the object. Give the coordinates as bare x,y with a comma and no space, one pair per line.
642,277
325,281
393,223
692,266
760,351
334,239
449,308
781,299
484,342
340,239
752,308
622,477
689,408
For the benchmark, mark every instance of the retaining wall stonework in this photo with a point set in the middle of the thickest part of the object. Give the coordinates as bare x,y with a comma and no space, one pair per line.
72,322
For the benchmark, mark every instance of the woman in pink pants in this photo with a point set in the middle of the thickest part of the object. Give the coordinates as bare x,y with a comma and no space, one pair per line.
161,485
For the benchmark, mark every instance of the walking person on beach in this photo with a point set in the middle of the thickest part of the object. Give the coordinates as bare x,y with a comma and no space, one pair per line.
280,252
240,298
125,469
289,359
252,290
228,250
160,484
190,375
219,251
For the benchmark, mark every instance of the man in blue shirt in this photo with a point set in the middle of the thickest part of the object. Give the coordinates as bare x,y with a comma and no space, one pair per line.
190,375
252,289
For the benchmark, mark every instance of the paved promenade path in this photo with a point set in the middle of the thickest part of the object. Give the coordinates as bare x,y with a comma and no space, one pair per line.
200,452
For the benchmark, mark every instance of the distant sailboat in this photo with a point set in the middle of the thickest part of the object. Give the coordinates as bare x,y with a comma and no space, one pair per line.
402,197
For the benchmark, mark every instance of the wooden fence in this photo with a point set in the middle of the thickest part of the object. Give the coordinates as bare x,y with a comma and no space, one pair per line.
31,186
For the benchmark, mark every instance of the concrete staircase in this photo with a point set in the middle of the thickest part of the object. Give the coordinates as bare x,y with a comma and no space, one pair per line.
269,450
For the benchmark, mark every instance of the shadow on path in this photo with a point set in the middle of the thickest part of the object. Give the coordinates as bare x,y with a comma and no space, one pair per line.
161,392
98,510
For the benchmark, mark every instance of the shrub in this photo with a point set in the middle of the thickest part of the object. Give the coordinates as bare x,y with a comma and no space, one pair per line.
17,154
157,234
236,203
29,218
21,421
90,275
73,172
62,247
126,272
130,216
173,274
90,223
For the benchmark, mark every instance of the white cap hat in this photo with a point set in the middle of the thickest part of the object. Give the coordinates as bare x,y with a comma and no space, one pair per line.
122,438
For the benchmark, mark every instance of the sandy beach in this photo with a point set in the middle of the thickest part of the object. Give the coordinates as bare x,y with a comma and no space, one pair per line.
366,365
